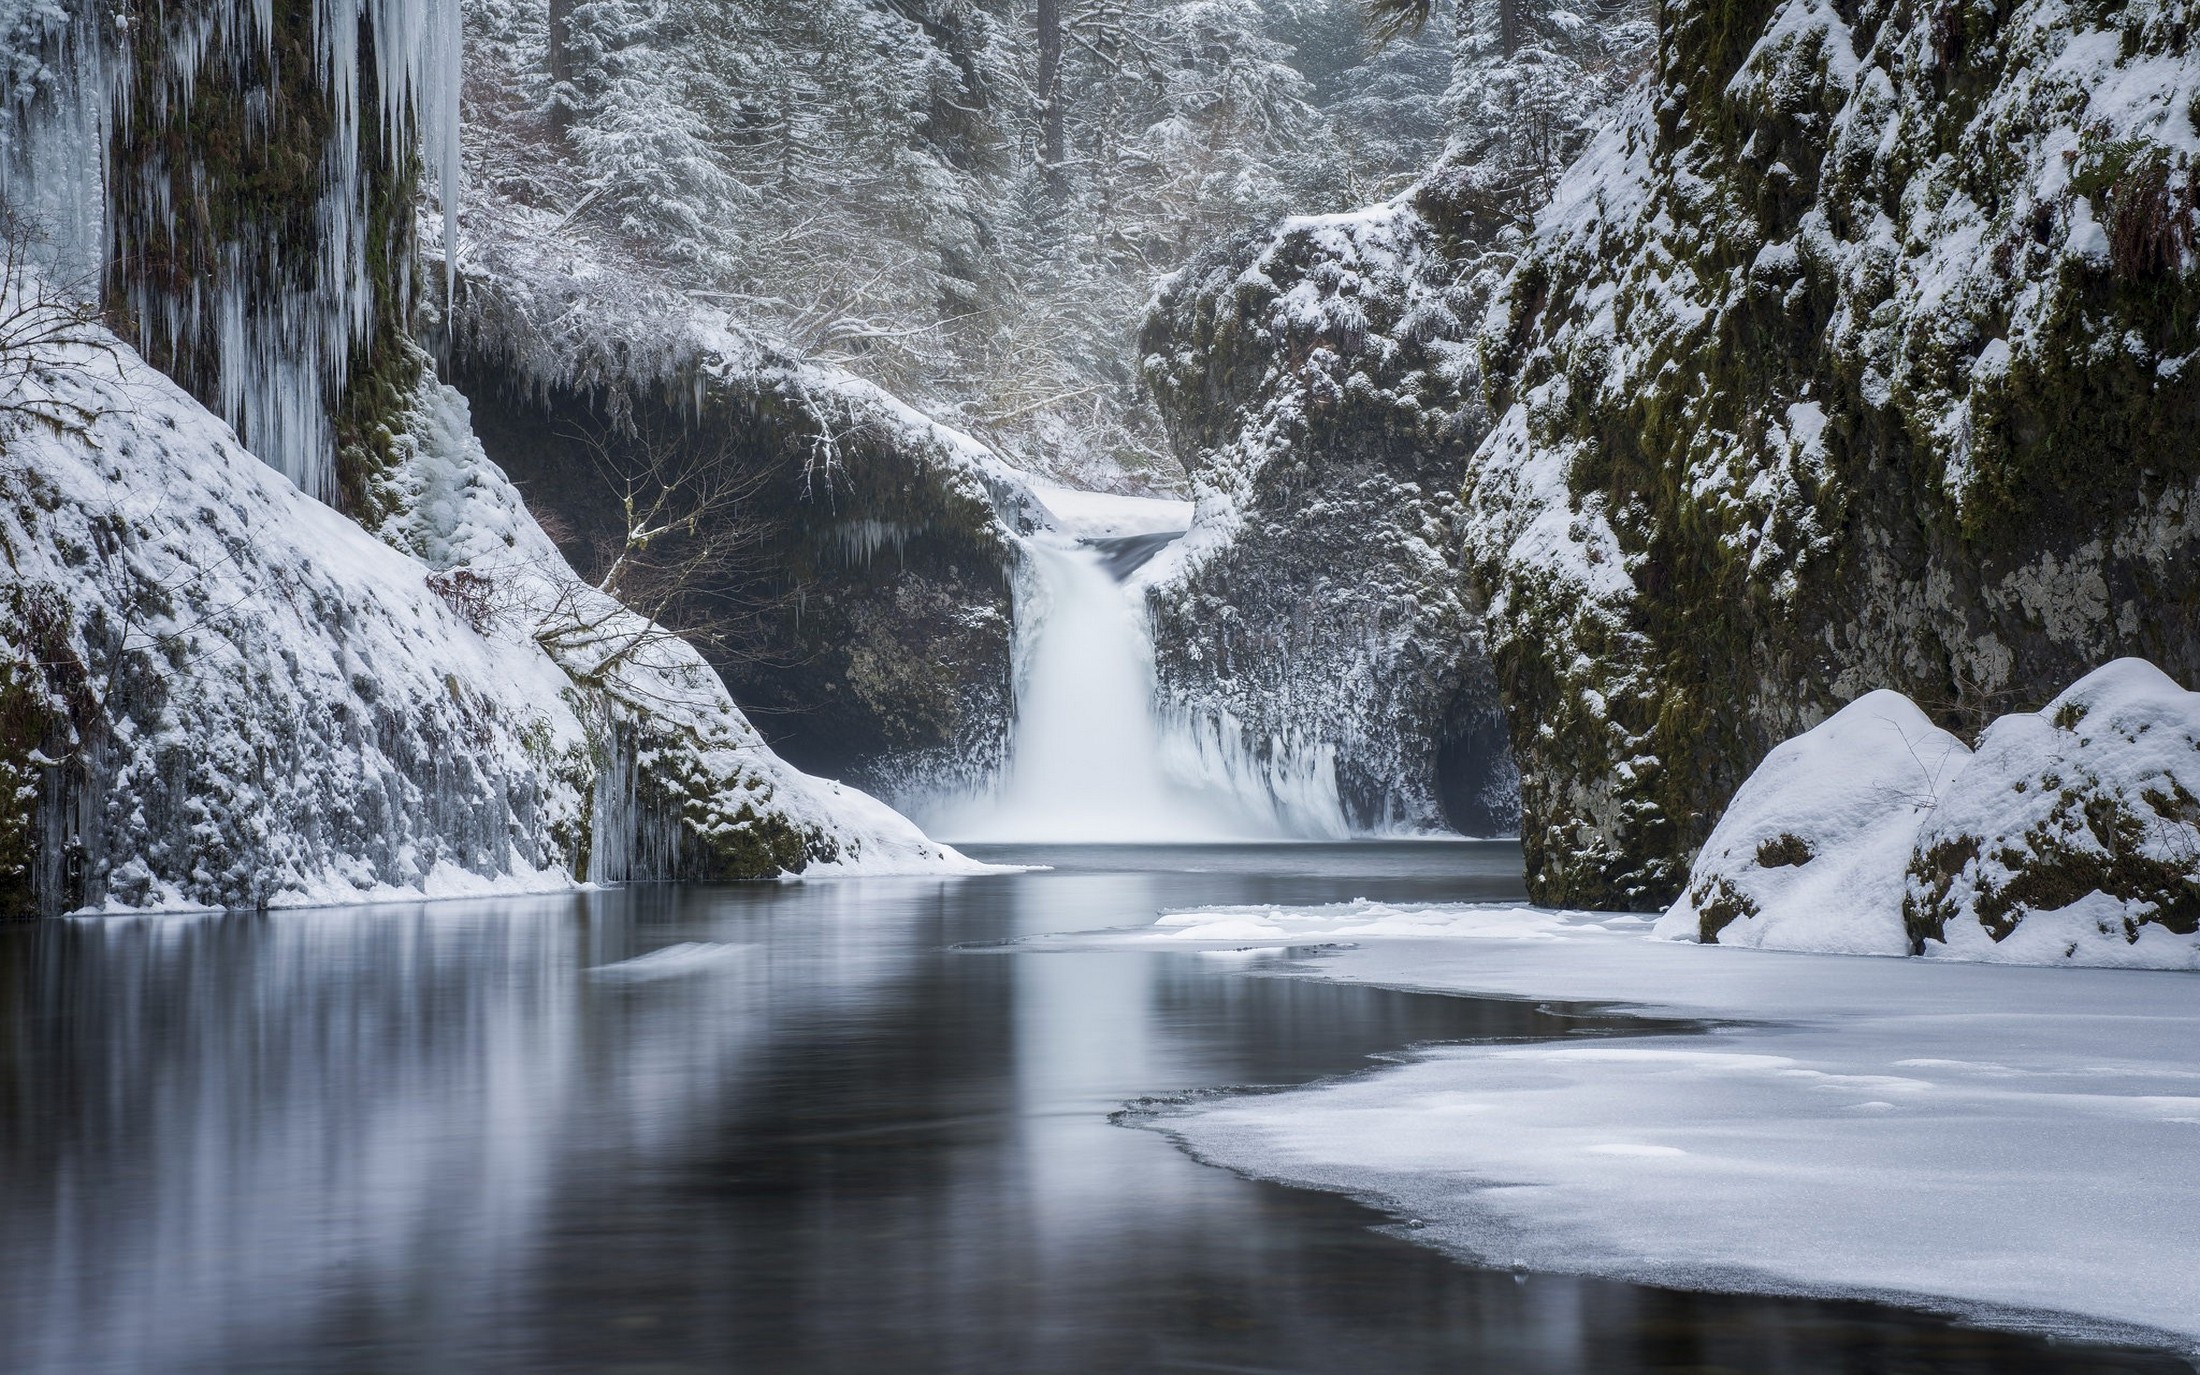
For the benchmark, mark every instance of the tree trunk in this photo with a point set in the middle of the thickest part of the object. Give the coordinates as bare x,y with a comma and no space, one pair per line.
1052,144
1509,25
561,65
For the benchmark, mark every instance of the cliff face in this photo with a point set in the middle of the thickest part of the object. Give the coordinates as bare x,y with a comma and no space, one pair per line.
216,690
879,649
1320,390
1860,354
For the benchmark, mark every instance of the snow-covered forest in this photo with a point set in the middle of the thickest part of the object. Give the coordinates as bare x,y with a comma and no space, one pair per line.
870,634
971,203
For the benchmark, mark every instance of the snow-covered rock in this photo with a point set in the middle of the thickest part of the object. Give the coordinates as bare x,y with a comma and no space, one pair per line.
2071,836
1859,354
2074,834
1312,640
1811,853
890,538
215,691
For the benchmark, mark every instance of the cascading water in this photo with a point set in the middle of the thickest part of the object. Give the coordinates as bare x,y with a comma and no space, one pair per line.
1086,761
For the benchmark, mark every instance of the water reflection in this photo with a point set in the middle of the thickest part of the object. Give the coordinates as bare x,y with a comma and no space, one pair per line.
430,1139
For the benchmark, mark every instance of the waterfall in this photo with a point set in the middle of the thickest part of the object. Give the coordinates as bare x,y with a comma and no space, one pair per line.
1086,759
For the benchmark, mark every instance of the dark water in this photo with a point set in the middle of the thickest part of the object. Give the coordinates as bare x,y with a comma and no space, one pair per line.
1123,555
428,1138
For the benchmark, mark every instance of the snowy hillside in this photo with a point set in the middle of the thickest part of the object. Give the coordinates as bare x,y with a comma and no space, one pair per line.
220,692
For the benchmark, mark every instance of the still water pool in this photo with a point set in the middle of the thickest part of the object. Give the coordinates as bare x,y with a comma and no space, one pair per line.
844,1129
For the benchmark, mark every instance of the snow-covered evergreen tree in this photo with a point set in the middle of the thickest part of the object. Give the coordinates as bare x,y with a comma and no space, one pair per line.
870,183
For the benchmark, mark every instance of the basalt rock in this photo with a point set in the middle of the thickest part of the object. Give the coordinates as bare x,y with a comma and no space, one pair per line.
1313,629
1861,353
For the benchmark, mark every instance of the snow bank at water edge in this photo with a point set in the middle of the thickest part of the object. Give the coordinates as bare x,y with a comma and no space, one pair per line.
2072,836
2012,1143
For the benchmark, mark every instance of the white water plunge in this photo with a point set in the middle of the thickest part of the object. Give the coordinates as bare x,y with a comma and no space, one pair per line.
1086,761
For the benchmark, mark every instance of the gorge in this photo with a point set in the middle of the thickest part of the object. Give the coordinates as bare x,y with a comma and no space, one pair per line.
886,683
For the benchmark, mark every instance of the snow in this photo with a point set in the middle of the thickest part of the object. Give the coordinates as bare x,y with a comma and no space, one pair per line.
291,715
1876,827
2099,785
457,508
282,694
2010,1143
1814,846
1107,515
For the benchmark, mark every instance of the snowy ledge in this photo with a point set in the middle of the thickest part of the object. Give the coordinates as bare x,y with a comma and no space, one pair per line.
2010,1143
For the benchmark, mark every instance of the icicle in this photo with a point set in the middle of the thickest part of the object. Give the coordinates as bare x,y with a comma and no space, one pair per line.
282,341
53,143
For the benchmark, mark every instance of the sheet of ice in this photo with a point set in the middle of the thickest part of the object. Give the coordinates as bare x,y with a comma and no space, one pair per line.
671,962
2014,1142
1106,515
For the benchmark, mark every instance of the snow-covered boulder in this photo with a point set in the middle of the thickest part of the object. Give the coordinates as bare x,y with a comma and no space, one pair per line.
1811,854
2074,834
215,691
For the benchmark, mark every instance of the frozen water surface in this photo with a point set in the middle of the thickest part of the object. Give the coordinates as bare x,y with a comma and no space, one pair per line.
854,1128
1994,1136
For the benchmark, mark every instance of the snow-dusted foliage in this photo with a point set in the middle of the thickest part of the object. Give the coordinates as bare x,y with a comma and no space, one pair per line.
2072,835
1811,854
219,692
1857,355
1533,81
912,193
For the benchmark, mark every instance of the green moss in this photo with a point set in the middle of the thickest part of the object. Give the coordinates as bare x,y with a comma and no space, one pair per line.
1719,905
1719,652
238,152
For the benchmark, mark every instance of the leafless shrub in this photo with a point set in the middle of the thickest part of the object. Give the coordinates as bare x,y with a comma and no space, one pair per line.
472,595
43,327
686,559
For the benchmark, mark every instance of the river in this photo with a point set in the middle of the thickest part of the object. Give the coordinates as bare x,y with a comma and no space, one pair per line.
835,1126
